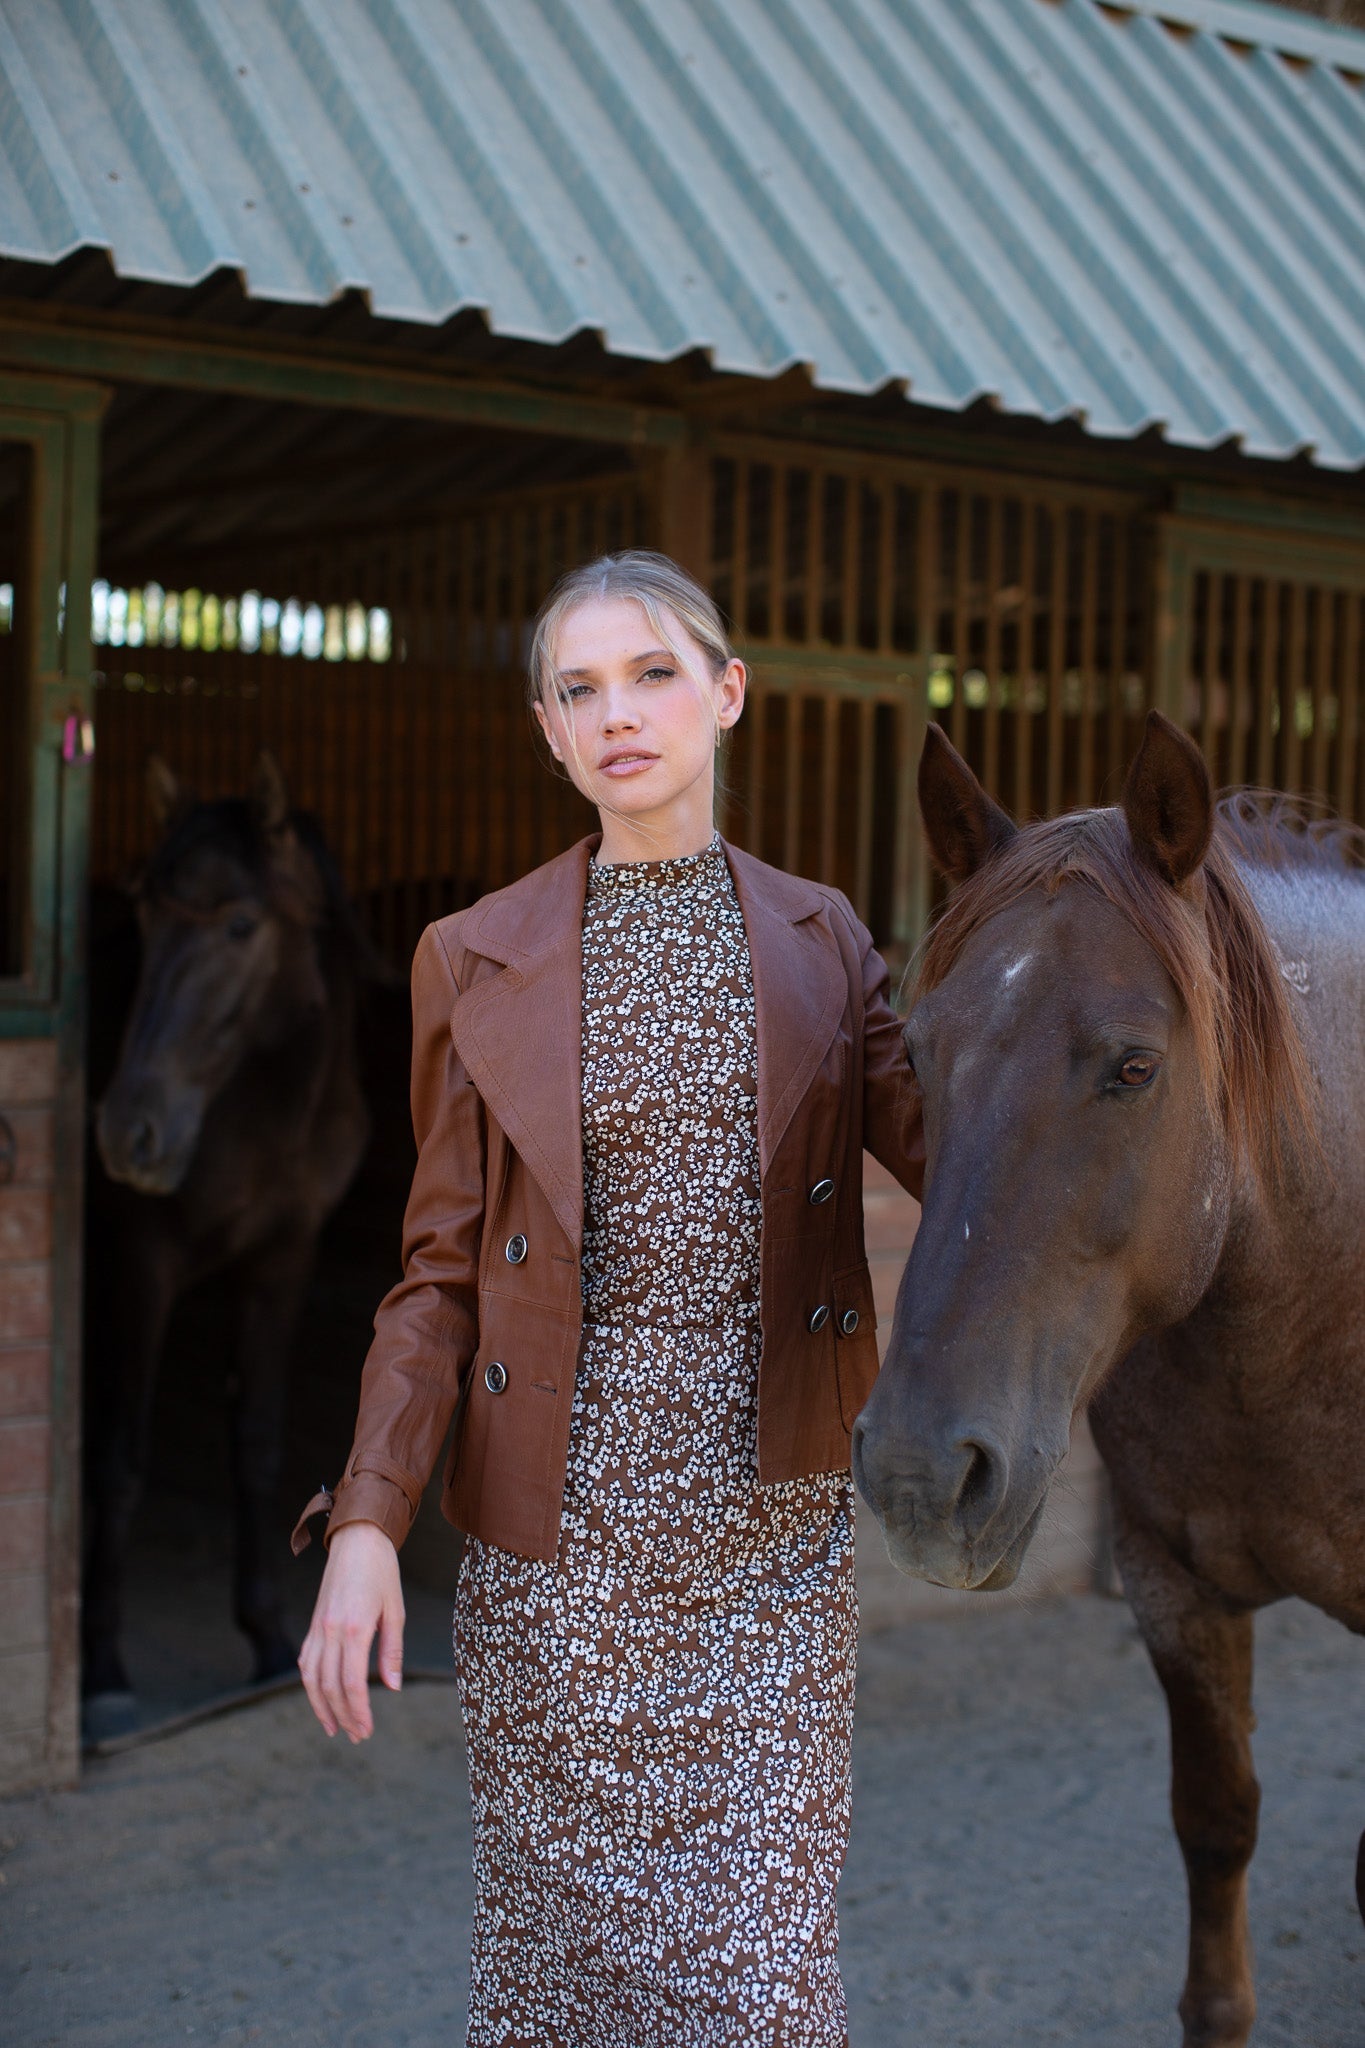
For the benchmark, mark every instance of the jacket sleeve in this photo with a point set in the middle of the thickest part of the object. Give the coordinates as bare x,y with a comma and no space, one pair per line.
893,1122
426,1328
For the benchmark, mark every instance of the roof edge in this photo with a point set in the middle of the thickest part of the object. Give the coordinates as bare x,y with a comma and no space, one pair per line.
1258,21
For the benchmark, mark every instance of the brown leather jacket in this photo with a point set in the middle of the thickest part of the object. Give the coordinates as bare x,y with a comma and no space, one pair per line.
494,1224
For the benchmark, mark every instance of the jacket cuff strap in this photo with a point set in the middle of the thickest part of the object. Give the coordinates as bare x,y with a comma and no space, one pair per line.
322,1503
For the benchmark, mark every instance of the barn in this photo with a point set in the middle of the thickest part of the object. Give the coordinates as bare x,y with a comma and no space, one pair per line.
995,361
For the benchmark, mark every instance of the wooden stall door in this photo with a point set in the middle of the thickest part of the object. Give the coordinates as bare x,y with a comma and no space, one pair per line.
873,594
1262,648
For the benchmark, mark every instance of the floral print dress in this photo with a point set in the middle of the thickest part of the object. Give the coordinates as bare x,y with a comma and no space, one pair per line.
659,1722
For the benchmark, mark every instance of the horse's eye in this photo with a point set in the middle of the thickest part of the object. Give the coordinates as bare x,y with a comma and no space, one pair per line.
1138,1069
241,927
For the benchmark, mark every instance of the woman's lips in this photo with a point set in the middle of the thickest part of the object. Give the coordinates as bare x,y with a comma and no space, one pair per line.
630,764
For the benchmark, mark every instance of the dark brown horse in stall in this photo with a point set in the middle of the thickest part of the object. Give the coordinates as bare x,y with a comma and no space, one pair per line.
1140,1033
229,1132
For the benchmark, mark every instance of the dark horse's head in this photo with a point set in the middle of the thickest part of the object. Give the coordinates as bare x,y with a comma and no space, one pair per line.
1101,1033
229,908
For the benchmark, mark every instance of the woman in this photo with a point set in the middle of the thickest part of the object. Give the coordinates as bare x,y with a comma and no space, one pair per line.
642,1082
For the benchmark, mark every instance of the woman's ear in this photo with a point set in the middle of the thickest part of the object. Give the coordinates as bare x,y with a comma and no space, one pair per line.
545,728
734,681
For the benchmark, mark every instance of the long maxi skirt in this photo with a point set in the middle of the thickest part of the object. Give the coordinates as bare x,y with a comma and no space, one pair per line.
658,1725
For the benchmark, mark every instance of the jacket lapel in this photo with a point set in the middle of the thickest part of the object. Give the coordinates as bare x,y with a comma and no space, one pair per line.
800,988
519,1033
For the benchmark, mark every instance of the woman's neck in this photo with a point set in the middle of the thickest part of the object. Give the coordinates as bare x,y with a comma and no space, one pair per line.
627,839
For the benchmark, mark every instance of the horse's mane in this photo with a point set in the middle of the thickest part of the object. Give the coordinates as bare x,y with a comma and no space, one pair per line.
1210,939
1273,830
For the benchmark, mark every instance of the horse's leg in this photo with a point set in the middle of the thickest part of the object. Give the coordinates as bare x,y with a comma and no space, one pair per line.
126,1333
1203,1656
274,1280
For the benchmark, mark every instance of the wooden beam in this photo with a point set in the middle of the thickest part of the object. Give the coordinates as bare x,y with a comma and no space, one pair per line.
274,371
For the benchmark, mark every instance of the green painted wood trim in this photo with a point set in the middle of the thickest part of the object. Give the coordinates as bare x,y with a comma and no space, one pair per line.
1288,518
138,354
855,672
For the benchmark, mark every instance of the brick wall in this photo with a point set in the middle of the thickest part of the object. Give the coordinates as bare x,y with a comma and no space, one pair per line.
28,1080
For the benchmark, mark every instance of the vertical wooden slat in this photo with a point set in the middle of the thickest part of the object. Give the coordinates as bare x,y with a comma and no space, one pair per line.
792,792
1023,662
1322,690
758,751
886,568
853,529
1118,663
862,894
1292,678
829,788
1349,659
1265,684
739,559
777,578
1056,660
995,519
815,554
910,876
1211,672
1239,680
441,774
1085,779
962,651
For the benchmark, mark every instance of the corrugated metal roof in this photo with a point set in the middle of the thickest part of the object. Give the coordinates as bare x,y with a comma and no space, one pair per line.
1138,214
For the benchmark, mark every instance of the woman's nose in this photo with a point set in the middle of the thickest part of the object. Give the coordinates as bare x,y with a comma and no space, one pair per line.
620,717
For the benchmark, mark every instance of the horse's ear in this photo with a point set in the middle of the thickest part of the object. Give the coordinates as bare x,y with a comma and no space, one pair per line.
1168,801
164,795
963,825
268,796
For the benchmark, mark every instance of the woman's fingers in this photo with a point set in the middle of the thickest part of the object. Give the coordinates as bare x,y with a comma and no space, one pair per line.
391,1647
353,1704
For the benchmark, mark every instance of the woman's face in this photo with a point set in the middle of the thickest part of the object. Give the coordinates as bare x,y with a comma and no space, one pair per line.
634,726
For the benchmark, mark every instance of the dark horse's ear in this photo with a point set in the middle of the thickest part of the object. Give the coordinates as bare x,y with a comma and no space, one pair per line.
1168,801
164,793
963,825
268,795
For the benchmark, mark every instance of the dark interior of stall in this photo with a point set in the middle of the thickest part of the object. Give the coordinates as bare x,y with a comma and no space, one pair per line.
352,594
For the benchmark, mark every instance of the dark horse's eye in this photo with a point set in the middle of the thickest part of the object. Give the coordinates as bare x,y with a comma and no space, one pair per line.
241,926
1138,1069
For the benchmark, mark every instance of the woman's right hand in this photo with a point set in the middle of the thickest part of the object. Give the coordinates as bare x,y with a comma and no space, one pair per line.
360,1593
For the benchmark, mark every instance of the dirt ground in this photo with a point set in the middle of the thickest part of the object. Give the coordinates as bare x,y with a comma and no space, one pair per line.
1012,1880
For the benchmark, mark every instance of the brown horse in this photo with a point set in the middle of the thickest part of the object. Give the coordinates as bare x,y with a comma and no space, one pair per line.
1140,1034
230,1130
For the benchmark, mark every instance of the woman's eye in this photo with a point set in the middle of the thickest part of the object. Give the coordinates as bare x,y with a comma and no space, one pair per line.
658,675
572,693
1138,1069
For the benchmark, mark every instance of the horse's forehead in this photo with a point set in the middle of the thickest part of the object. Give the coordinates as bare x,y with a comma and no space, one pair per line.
206,876
1054,950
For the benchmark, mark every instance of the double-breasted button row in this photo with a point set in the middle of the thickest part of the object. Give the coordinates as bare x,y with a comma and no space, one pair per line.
818,1317
516,1249
821,1192
495,1377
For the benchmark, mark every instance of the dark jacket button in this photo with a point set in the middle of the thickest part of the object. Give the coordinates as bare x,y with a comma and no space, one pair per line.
822,1191
818,1318
848,1322
516,1249
495,1377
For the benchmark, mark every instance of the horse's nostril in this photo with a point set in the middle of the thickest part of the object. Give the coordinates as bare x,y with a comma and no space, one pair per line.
142,1144
984,1476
